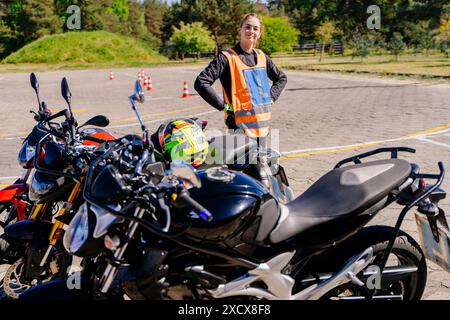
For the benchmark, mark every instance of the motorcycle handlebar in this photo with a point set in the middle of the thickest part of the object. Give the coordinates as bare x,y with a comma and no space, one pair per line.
204,214
63,112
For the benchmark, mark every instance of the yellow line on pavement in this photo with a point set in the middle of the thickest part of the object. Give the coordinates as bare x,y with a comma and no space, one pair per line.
79,110
310,153
8,135
360,146
4,185
445,126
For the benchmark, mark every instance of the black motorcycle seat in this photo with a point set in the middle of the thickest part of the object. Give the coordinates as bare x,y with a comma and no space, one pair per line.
230,149
341,193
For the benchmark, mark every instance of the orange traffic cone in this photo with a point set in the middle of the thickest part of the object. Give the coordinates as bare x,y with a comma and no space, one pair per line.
149,84
145,81
140,77
185,91
111,75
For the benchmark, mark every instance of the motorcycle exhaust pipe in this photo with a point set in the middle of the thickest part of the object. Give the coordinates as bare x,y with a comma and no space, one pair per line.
389,274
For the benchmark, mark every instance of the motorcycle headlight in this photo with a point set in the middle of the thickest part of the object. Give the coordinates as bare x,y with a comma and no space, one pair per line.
77,233
85,235
103,220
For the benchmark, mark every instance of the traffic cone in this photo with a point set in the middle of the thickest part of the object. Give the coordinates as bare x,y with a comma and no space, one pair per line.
149,84
111,75
145,81
140,77
185,91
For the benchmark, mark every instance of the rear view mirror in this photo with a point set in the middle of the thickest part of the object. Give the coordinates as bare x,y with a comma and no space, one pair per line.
65,91
34,82
138,94
98,121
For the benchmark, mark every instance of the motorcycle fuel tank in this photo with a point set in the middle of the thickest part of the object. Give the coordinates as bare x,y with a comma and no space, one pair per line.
231,197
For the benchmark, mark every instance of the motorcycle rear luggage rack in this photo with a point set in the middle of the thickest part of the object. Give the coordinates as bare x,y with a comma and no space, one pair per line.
357,159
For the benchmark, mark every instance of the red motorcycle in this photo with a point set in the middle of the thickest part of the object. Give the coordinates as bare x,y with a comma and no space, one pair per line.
14,202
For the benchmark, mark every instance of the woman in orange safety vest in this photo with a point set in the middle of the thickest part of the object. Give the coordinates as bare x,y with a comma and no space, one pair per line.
244,72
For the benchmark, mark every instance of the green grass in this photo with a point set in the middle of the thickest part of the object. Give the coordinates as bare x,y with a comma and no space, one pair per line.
84,49
433,66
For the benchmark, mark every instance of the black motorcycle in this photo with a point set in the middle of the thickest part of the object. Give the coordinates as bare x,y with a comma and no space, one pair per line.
145,236
148,233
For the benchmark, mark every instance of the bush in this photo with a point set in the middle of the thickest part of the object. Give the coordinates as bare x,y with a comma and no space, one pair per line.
361,46
396,44
191,38
85,47
278,35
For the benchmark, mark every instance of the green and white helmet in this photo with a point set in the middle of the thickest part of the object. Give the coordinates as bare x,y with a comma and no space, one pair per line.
183,139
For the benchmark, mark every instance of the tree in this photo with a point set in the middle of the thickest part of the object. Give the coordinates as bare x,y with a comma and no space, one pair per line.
278,36
154,13
120,9
361,46
5,32
135,21
97,16
185,11
444,30
192,38
443,36
221,17
421,37
37,18
396,45
324,34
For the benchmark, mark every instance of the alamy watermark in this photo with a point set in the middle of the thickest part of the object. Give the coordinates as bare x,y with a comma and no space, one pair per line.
237,148
73,282
374,21
374,280
74,20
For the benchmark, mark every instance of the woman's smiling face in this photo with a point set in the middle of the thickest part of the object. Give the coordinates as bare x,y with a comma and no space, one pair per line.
250,30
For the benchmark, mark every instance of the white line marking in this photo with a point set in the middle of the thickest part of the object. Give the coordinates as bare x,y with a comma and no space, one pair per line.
438,133
434,142
9,178
364,143
13,138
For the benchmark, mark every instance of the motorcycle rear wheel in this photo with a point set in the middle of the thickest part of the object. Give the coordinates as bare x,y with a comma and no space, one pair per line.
405,252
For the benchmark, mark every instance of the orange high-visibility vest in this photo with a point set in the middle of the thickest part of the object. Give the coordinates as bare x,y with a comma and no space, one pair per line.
250,94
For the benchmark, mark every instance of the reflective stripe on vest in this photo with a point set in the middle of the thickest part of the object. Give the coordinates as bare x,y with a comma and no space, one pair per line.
250,94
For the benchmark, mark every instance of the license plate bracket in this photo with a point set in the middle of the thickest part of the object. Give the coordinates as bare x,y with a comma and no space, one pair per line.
430,230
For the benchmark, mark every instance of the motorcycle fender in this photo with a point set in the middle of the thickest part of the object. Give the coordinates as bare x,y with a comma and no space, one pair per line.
26,230
10,192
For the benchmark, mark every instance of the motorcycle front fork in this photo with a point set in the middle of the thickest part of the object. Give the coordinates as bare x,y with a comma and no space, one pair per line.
111,270
57,229
25,175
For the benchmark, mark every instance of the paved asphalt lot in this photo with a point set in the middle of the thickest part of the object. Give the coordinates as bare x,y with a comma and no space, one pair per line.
322,118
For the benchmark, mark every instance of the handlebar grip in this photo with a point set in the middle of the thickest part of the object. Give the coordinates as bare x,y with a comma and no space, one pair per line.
441,166
194,205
